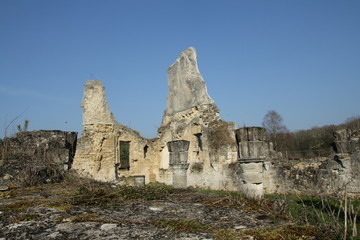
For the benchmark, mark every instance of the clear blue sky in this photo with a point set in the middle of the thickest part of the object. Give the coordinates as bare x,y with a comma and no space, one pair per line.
300,58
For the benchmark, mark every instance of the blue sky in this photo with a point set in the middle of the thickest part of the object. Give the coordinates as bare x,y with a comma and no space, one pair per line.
300,58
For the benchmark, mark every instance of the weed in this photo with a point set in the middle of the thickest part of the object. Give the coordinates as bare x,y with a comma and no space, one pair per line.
89,217
289,232
28,217
181,225
227,234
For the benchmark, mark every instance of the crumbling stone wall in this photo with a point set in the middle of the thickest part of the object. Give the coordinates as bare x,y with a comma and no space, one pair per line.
323,175
98,152
53,146
191,115
37,149
216,157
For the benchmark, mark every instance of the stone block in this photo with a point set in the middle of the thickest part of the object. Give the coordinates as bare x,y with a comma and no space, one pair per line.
252,167
254,190
252,177
178,146
139,181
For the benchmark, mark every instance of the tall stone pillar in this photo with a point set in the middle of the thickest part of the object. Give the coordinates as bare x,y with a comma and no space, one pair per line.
178,162
253,149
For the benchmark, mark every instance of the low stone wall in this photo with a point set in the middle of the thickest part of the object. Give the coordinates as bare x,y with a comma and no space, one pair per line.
321,176
39,150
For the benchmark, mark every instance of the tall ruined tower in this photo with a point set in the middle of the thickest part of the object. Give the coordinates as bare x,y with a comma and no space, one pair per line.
94,104
186,85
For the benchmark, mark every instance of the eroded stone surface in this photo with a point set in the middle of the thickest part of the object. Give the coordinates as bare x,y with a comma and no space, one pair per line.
43,152
216,157
187,87
94,104
191,115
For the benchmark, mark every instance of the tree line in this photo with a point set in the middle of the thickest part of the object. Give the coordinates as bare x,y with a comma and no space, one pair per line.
313,142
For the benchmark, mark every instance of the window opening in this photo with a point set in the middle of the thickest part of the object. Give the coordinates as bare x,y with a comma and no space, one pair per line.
124,155
199,140
145,150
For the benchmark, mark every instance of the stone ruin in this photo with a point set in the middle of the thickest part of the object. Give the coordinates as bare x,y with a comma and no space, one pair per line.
195,147
40,152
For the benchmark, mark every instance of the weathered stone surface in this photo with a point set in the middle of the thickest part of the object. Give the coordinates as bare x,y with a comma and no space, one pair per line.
178,162
187,87
252,143
94,104
252,177
191,115
252,167
4,188
347,141
319,176
251,134
254,190
37,154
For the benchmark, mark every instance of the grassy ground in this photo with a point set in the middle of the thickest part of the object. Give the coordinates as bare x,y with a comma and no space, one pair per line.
306,218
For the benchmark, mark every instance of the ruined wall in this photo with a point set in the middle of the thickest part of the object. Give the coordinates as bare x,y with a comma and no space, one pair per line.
191,115
41,151
51,146
98,153
195,147
320,176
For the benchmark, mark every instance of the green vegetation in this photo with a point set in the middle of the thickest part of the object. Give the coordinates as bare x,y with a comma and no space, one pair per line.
23,128
336,216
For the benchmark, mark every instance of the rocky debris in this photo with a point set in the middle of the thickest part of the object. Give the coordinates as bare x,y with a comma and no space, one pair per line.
4,188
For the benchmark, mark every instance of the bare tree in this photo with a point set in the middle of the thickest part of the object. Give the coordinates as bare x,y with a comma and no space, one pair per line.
276,129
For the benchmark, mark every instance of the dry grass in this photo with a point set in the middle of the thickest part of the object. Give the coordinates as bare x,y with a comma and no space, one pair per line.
289,232
182,225
74,192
